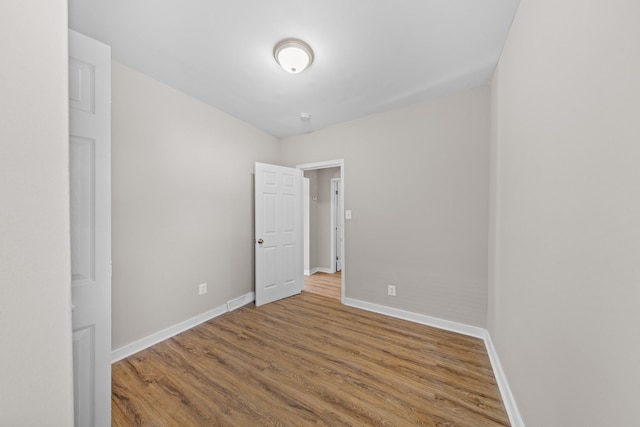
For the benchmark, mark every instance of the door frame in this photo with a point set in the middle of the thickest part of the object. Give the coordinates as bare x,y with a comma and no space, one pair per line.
325,165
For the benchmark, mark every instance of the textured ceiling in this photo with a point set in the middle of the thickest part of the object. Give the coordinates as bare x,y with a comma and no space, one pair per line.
370,56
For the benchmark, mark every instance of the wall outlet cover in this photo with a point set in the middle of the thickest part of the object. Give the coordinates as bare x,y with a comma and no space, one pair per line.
202,288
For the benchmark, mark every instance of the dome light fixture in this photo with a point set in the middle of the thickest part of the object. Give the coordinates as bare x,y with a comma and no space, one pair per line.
293,55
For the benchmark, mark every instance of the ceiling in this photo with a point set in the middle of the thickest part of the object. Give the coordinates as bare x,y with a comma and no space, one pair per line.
370,56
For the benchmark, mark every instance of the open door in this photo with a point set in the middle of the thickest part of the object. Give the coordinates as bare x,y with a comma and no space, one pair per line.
90,194
278,227
337,223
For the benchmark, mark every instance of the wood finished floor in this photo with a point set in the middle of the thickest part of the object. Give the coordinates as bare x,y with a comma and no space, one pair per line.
325,284
307,360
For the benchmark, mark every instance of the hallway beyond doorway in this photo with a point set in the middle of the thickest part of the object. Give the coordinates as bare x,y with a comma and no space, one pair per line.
324,284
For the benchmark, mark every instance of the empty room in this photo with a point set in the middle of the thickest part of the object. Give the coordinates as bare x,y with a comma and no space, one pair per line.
296,213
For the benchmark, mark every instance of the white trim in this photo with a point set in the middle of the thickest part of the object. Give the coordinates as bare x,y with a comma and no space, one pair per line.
448,325
240,301
171,331
312,271
503,385
332,164
505,391
318,270
322,165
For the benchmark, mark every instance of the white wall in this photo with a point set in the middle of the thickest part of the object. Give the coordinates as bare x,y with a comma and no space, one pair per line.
35,294
565,287
182,205
417,182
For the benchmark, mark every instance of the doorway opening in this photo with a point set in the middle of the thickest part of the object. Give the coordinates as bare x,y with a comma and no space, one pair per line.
325,264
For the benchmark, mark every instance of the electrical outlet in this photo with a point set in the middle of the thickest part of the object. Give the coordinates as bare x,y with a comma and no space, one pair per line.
202,288
391,290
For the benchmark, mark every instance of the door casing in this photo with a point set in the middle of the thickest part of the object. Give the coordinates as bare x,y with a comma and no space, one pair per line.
332,164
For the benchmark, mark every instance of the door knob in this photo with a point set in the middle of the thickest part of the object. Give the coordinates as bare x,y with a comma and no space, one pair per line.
260,241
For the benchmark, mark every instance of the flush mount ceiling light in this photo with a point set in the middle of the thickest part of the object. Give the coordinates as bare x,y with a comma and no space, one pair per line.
293,55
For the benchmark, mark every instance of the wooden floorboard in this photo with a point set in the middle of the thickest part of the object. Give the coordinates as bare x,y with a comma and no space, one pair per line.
325,284
308,360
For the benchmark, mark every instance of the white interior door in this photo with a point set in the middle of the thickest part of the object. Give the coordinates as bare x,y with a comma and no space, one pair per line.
306,203
339,221
278,227
90,187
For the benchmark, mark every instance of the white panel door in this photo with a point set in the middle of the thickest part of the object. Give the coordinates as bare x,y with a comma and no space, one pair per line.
278,226
338,221
90,188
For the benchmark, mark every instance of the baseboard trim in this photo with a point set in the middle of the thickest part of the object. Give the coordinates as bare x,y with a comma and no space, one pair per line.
324,270
240,301
318,270
448,325
171,331
505,391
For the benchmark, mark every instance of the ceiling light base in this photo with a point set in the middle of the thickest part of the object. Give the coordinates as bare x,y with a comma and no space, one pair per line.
293,55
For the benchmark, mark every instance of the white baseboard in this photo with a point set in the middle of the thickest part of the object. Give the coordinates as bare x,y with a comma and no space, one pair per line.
505,391
448,325
171,331
310,272
240,301
503,385
317,270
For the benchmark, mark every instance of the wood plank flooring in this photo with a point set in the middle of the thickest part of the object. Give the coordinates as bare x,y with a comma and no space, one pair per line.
325,284
307,360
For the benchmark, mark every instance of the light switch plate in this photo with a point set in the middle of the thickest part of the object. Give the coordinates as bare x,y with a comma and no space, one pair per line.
347,214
